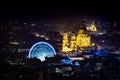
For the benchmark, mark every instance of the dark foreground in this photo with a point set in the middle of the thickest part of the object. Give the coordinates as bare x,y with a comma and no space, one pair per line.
91,69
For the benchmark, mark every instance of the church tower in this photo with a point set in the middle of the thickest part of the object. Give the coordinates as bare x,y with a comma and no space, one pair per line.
83,38
73,42
65,43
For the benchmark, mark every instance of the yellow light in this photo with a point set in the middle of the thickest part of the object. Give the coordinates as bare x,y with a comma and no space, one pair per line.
37,35
76,42
92,27
93,44
46,38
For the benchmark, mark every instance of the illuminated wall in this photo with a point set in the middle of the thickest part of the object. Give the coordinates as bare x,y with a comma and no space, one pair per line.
73,45
65,43
41,50
83,39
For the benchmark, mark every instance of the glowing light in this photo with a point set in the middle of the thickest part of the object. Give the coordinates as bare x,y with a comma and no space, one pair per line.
37,34
14,43
77,58
77,42
42,36
46,38
92,27
41,50
66,61
101,52
77,63
93,44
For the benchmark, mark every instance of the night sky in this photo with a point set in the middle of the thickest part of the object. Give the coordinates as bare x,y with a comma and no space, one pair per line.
45,9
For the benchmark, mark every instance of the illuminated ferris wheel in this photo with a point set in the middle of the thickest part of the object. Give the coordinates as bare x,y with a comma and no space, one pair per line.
41,50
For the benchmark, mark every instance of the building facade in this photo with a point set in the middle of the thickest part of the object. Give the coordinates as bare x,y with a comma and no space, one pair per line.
75,42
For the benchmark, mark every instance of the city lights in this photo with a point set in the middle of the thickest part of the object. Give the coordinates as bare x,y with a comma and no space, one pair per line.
41,50
60,41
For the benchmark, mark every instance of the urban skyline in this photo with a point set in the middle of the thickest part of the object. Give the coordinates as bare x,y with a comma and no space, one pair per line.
58,40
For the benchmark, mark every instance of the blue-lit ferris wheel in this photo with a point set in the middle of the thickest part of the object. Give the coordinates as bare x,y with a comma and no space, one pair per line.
41,50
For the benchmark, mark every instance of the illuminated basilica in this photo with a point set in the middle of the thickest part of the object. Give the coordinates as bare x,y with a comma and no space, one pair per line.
79,41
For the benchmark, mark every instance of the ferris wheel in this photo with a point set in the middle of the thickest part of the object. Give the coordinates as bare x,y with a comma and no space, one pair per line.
41,50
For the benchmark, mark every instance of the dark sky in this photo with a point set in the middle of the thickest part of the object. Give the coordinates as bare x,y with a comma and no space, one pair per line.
109,9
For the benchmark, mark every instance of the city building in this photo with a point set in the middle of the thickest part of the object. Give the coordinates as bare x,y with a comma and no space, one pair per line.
79,41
